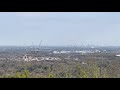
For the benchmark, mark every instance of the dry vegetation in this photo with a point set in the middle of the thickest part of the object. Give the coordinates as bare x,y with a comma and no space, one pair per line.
95,65
61,69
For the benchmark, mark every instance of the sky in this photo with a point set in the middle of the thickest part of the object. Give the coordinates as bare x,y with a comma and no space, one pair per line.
60,28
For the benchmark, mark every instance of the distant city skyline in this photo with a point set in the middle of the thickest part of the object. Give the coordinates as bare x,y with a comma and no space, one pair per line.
60,28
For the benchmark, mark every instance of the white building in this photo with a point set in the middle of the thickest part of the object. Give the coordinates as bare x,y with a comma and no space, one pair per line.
118,55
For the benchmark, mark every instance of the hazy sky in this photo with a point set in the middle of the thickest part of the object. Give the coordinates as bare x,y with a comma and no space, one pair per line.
60,28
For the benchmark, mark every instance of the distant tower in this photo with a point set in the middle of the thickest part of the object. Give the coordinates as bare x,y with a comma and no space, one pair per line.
32,46
40,45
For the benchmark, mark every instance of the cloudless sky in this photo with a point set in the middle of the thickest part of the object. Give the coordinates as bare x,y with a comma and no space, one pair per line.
60,28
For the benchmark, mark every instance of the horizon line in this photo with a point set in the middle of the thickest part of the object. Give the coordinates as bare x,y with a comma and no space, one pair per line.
60,45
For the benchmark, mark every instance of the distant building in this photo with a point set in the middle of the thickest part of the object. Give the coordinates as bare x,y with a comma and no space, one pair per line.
118,55
84,63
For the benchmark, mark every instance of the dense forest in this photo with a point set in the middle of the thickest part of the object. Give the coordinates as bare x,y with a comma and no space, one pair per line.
60,69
